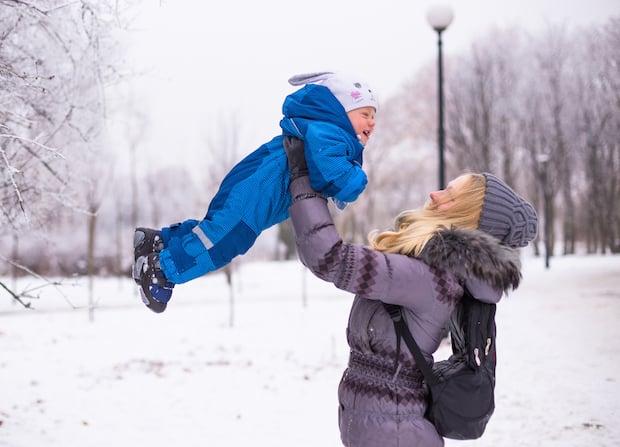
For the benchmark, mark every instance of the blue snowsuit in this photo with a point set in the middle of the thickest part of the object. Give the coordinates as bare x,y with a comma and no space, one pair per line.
254,194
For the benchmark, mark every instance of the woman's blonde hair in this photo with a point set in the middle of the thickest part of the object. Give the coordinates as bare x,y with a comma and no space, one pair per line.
414,228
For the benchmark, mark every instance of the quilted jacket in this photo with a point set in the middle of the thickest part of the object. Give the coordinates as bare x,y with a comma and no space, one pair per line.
254,194
381,398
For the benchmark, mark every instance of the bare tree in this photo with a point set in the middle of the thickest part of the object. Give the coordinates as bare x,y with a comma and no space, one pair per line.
223,151
469,103
553,68
52,107
598,93
483,106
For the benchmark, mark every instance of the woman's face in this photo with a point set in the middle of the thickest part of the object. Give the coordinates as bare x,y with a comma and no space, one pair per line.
445,197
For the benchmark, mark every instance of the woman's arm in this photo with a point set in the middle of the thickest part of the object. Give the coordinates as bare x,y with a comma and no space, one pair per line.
391,278
483,291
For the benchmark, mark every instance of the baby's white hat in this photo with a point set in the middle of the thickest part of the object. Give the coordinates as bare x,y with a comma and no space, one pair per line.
350,91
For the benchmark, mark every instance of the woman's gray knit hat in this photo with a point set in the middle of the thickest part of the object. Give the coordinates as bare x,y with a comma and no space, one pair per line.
507,216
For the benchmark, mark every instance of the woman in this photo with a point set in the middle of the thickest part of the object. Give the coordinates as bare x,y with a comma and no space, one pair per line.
466,235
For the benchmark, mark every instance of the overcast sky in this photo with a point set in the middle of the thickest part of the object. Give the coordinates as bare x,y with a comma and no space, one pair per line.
209,60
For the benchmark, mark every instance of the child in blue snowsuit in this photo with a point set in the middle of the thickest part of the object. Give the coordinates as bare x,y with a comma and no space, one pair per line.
334,115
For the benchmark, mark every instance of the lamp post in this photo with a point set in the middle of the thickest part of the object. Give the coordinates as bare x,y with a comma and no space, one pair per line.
439,18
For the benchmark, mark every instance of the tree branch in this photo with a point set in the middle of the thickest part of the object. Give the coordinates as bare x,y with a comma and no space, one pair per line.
15,296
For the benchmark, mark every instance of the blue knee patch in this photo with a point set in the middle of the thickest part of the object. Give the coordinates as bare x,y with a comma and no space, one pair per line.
236,242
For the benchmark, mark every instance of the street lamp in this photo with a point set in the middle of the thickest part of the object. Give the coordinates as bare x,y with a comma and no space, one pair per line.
440,17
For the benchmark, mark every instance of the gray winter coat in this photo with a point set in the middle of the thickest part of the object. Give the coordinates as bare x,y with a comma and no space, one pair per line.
382,402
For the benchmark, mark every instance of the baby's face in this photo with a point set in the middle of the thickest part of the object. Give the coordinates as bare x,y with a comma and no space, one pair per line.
363,121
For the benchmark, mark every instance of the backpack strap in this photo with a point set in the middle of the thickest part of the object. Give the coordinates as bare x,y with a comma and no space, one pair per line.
402,331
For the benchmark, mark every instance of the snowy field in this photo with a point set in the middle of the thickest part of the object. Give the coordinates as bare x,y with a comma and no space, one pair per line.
187,378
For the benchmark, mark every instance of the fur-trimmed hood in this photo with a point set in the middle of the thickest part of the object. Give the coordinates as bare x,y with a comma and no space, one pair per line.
473,253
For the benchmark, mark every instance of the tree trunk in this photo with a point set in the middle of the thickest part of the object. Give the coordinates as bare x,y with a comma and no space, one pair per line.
90,263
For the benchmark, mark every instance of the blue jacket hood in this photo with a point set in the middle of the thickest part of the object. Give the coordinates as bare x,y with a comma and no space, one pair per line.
313,103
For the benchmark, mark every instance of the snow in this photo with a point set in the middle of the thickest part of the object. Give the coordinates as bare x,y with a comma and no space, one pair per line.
185,377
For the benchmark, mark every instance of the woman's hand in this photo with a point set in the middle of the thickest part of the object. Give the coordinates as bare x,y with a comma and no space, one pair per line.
294,148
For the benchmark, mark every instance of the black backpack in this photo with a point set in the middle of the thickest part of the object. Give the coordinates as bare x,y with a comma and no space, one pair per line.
461,388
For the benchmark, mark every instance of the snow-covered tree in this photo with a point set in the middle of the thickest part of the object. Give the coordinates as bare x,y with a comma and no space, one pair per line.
56,59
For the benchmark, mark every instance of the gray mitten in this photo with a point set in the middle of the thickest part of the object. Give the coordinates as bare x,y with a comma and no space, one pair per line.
294,148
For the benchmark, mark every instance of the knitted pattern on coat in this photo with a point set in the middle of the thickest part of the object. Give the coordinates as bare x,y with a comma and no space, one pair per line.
376,388
374,375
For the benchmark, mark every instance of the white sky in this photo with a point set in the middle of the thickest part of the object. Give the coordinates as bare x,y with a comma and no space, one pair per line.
210,59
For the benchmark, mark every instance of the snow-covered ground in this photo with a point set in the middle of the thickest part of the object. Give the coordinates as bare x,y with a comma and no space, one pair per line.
186,378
